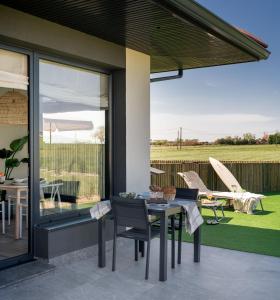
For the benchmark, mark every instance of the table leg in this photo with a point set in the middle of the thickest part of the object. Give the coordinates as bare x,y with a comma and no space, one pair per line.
17,235
172,242
58,195
180,239
142,248
163,247
101,243
196,244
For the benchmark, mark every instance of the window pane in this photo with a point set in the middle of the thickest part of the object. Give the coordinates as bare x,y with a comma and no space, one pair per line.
14,154
73,102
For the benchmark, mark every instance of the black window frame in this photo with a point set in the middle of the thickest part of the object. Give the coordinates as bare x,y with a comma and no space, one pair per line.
30,92
34,55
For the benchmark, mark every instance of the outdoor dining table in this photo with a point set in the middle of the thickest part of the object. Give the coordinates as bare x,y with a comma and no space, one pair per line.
163,212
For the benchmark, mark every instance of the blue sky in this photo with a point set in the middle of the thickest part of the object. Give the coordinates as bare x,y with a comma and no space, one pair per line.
229,100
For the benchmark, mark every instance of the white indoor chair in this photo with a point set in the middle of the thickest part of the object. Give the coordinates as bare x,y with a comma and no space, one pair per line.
11,199
23,212
2,210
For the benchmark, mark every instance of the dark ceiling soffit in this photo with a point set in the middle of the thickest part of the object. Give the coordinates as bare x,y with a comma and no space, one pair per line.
190,11
204,67
181,12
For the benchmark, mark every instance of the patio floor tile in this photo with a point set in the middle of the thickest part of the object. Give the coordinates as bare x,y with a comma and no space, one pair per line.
222,274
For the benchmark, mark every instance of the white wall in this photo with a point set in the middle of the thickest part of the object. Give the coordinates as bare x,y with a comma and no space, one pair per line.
137,121
8,133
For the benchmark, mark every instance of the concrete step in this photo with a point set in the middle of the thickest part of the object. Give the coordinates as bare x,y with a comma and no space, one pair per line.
17,274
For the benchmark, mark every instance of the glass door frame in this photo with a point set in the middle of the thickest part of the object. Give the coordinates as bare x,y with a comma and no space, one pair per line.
34,56
12,261
108,135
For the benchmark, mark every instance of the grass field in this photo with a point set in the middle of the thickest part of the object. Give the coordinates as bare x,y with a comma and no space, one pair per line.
258,233
221,152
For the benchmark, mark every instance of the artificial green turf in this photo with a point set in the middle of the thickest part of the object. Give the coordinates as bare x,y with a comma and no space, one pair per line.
258,233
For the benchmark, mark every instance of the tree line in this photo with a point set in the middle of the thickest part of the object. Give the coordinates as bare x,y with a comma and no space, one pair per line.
245,139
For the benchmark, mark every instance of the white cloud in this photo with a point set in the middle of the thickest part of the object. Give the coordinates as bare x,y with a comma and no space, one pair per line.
211,84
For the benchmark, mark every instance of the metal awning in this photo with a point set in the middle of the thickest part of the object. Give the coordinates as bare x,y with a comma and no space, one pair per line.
177,34
53,125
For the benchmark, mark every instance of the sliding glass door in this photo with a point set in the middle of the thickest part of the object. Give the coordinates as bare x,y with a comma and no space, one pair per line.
14,157
53,145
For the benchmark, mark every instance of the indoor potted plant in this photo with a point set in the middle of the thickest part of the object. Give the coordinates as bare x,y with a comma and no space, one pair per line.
10,161
8,155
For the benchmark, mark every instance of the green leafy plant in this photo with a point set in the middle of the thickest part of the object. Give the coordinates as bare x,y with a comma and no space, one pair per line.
8,155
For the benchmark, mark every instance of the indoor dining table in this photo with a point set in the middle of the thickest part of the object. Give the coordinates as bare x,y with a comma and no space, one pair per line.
17,189
163,212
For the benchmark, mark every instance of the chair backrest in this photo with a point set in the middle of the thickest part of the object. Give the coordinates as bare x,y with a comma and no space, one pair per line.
187,194
225,175
193,181
130,212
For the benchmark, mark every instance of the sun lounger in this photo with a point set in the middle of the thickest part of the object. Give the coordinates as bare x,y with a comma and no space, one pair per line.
208,200
240,196
242,201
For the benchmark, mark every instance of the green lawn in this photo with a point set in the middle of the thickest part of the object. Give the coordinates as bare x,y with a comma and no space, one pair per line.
258,233
244,153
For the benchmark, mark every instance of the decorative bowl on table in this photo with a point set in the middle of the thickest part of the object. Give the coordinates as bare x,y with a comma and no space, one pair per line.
20,181
169,193
157,198
155,188
127,195
144,195
166,193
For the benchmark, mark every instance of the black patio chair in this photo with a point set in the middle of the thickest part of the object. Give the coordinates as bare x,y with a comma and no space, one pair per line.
183,194
174,222
133,213
187,194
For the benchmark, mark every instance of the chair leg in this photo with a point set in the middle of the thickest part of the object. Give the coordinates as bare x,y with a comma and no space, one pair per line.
136,250
142,248
261,204
148,259
9,211
3,217
172,243
215,213
180,239
20,221
26,218
114,250
223,213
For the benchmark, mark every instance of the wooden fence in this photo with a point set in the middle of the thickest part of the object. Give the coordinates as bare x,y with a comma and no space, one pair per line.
258,177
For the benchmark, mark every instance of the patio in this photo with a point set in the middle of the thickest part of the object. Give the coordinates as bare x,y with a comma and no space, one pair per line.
224,274
84,92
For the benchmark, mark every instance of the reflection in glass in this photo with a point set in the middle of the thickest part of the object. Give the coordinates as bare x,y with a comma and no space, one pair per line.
14,202
73,102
